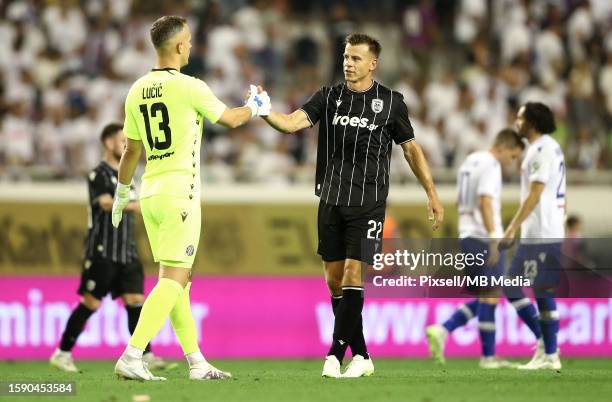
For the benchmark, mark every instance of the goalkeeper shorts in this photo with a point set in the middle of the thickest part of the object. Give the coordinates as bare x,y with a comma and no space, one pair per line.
173,228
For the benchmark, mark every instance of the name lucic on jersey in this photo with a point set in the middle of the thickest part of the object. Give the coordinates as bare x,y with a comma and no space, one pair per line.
353,122
152,92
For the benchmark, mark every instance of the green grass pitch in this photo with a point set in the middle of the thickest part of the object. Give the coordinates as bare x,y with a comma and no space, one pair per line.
299,380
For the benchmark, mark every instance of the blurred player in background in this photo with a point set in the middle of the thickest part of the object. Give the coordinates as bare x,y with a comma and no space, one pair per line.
360,120
479,185
111,262
541,220
164,112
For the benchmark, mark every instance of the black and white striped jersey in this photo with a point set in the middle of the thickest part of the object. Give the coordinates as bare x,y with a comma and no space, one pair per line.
103,240
356,132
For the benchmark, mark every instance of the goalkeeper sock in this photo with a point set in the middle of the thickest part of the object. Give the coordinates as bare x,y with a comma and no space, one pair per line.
154,312
184,324
133,313
347,318
464,313
74,326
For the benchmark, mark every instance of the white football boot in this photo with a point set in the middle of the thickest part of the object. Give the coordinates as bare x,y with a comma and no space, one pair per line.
331,367
494,362
63,361
546,362
206,371
130,368
359,367
158,363
538,355
436,338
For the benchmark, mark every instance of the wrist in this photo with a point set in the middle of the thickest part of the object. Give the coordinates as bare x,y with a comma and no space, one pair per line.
123,189
253,107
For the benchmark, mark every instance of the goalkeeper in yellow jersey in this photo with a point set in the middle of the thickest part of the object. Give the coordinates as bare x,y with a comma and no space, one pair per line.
164,112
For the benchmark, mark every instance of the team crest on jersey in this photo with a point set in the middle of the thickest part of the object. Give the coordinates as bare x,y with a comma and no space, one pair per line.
377,105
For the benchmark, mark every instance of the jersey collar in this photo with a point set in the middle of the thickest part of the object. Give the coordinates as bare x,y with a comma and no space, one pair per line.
361,92
168,69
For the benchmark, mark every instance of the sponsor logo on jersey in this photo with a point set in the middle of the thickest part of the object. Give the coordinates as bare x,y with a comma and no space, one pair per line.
160,157
353,121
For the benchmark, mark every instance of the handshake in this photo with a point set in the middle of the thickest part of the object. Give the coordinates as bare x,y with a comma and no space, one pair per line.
258,101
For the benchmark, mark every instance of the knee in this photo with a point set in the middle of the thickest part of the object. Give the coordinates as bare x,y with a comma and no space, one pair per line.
133,299
89,301
334,285
489,300
352,273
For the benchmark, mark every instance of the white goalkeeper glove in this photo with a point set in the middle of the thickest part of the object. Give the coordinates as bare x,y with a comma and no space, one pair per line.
122,198
259,103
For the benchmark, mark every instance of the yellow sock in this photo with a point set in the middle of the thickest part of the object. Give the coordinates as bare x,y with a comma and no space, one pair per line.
183,323
155,310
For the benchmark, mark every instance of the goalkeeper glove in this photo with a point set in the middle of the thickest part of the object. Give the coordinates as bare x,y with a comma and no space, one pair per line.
122,198
259,103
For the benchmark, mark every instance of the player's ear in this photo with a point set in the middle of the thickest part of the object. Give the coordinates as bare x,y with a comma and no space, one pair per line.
374,64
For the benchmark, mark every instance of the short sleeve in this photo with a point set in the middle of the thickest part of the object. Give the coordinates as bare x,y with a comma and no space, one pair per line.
490,181
205,101
99,184
540,165
402,130
130,128
315,106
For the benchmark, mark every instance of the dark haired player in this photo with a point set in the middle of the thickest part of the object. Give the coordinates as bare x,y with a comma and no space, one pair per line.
479,186
360,120
111,262
541,220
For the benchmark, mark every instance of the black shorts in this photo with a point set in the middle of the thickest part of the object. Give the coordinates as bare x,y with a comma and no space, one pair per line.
350,232
101,276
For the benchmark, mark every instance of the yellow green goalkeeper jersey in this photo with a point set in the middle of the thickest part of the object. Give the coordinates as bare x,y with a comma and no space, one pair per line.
164,109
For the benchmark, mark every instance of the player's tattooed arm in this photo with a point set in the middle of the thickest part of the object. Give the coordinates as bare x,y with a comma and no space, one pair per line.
416,159
533,197
288,123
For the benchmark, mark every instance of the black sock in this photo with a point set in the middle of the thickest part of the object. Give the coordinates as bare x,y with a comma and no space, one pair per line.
133,312
75,326
357,343
347,318
335,302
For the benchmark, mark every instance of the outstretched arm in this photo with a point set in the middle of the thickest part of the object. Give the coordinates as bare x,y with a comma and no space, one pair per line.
415,158
235,117
288,123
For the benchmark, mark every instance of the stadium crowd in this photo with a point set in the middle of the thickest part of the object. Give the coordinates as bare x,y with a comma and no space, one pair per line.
463,67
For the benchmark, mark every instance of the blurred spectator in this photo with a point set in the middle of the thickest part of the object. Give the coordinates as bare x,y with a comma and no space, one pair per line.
585,153
463,68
